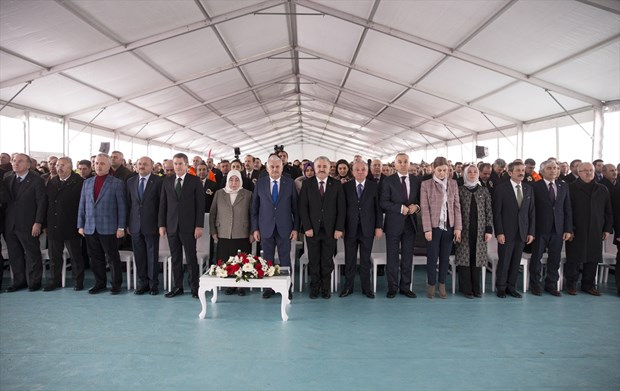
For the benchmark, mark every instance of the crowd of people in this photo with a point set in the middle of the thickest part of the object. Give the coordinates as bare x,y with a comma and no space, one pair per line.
563,212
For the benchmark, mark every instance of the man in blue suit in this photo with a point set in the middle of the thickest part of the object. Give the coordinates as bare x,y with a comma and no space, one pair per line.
102,217
275,217
554,225
400,199
515,225
143,192
363,221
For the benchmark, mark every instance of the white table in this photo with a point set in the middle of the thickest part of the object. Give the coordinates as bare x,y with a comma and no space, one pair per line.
280,284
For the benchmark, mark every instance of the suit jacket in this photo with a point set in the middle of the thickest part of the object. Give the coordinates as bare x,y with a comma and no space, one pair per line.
431,197
210,188
108,213
231,220
5,197
552,218
610,186
266,216
253,177
27,206
615,203
63,202
142,214
184,213
366,211
328,213
570,178
123,173
508,218
392,201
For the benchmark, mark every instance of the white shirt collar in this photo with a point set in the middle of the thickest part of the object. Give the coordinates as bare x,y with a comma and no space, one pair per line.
146,177
363,183
515,184
182,178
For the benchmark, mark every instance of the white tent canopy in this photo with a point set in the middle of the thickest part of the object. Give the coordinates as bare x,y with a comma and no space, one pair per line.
333,76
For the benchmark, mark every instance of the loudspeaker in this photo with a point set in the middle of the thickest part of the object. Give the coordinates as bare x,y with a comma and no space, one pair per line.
481,152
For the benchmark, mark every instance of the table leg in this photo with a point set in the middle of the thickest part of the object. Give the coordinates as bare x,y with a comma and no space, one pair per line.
284,294
203,301
214,298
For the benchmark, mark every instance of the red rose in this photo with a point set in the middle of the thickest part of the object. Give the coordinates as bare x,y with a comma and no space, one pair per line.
257,266
219,262
261,273
269,263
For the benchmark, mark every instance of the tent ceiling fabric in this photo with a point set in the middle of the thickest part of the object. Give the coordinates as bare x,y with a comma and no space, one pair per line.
364,76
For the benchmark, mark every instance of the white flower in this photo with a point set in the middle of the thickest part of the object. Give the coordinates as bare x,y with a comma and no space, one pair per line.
247,267
238,273
270,271
211,270
221,273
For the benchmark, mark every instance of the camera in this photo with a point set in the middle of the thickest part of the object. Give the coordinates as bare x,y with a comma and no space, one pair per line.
237,152
278,148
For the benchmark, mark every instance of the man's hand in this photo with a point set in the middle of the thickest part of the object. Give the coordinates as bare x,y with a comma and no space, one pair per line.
457,235
605,235
378,233
309,233
120,233
197,233
567,236
428,236
215,238
338,234
257,235
413,208
530,239
293,235
488,237
404,210
36,229
162,231
501,239
81,231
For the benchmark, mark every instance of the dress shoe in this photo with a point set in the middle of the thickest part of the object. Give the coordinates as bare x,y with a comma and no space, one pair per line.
230,291
571,291
477,295
34,288
241,291
553,291
115,291
380,270
469,296
391,294
501,294
514,294
409,293
345,292
536,292
326,294
268,293
593,291
174,292
50,287
15,288
141,291
78,287
290,294
96,289
154,292
314,294
369,294
194,294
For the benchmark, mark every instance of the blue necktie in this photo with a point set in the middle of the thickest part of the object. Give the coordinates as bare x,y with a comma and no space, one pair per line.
360,189
141,189
274,193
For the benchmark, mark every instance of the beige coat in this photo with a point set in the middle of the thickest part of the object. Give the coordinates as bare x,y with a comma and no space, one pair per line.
431,197
230,221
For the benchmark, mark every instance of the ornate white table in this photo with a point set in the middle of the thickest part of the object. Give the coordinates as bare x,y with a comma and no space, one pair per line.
280,284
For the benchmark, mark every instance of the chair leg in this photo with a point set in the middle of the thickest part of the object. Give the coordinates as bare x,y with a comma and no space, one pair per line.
128,270
169,261
484,279
135,273
374,277
64,271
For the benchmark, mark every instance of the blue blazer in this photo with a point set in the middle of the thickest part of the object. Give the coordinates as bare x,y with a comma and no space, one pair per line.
108,213
508,218
392,201
552,219
266,216
142,214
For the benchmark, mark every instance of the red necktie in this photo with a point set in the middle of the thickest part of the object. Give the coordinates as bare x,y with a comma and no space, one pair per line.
321,189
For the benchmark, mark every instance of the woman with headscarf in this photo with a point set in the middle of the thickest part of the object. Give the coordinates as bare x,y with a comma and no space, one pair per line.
477,216
229,220
308,172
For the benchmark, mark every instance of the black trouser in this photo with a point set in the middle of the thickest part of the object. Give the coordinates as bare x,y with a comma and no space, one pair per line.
229,247
24,258
101,247
353,241
181,242
439,247
404,262
553,244
571,271
510,255
321,249
74,246
146,255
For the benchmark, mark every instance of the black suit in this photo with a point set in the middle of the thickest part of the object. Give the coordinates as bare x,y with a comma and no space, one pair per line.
553,219
123,173
515,223
210,188
181,216
142,216
362,218
324,216
570,178
63,201
615,203
400,230
5,196
26,207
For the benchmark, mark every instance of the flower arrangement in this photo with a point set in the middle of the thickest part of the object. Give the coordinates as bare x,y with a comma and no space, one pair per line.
244,267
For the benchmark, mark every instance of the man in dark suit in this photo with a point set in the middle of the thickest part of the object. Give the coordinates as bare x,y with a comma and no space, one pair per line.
85,168
118,168
615,203
25,214
322,210
485,177
246,182
275,215
293,171
499,175
374,173
63,200
400,200
363,221
249,172
143,193
610,177
554,225
592,221
574,171
181,217
102,217
5,197
515,225
598,169
210,187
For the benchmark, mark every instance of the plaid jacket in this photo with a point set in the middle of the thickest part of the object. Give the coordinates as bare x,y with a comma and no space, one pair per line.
108,213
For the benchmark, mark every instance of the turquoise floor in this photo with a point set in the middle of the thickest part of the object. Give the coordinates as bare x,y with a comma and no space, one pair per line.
66,340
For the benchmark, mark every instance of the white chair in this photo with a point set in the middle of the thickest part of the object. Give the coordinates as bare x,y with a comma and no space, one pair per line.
45,257
293,254
164,254
130,266
303,265
339,261
608,260
378,256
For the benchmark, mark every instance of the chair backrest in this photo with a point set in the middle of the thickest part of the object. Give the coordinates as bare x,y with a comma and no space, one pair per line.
202,244
43,240
340,246
608,244
492,246
378,245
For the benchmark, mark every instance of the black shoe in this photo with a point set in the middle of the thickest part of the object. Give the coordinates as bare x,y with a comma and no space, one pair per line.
469,296
15,288
314,293
477,295
409,293
592,291
536,291
369,294
391,294
345,292
78,287
290,294
501,294
230,291
194,294
50,287
326,294
241,291
174,292
380,270
154,292
115,291
34,288
96,289
268,293
514,294
141,291
553,291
